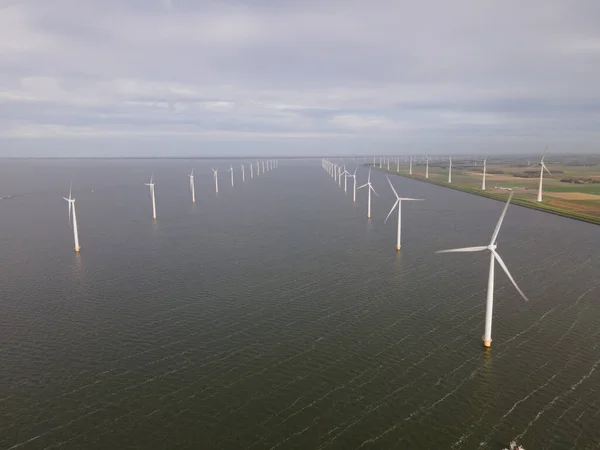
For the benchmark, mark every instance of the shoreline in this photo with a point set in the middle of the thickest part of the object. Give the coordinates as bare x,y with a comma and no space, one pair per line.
525,204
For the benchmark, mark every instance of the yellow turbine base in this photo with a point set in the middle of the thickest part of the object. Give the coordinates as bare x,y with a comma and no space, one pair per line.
397,248
486,343
77,250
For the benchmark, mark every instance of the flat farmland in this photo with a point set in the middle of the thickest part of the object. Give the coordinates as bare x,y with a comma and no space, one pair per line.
571,189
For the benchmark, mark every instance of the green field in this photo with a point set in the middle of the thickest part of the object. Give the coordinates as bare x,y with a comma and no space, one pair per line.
578,199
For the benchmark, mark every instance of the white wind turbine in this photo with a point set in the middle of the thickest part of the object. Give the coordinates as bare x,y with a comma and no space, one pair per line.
243,174
231,171
397,164
353,175
257,168
71,202
388,164
450,169
151,185
251,171
410,158
369,189
263,166
494,256
542,168
426,167
398,203
192,187
484,171
345,173
216,177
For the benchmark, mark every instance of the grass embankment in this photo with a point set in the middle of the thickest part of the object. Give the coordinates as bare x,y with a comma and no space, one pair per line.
524,191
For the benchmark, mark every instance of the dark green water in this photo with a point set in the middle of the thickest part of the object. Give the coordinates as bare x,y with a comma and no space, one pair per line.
276,316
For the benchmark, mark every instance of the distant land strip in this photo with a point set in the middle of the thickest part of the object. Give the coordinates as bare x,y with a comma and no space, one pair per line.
501,198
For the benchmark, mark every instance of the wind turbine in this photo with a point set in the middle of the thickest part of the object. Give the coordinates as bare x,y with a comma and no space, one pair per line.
243,174
231,171
494,256
410,158
257,168
345,173
542,168
397,164
484,170
354,177
71,202
151,184
450,170
426,167
369,188
388,164
263,166
192,187
251,171
216,177
398,203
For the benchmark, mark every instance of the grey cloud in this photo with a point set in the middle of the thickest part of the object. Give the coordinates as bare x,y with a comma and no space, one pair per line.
383,72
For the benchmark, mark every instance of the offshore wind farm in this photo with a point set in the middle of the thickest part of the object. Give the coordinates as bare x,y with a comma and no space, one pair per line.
275,314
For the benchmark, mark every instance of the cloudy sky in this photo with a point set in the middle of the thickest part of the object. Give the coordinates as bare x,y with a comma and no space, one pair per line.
298,77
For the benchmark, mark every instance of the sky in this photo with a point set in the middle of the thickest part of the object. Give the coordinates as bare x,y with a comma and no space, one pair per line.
298,78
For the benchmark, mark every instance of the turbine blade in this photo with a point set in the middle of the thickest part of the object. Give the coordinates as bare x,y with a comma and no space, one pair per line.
392,186
411,199
373,189
355,170
360,187
512,280
544,155
391,210
464,249
369,179
499,224
70,189
545,168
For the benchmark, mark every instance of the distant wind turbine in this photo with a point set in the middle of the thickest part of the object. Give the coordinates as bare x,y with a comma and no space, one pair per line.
192,187
243,174
257,168
354,179
263,166
71,202
426,167
216,177
251,171
542,168
397,164
369,189
410,158
151,184
494,256
388,164
231,171
450,169
398,203
345,173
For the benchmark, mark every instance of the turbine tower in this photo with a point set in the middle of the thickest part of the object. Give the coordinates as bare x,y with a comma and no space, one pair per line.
494,256
192,187
484,171
542,168
369,189
243,174
397,164
71,202
231,171
410,165
216,177
151,184
251,171
426,167
450,169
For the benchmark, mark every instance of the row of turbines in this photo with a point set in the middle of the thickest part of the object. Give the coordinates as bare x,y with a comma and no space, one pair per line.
409,160
337,171
267,165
